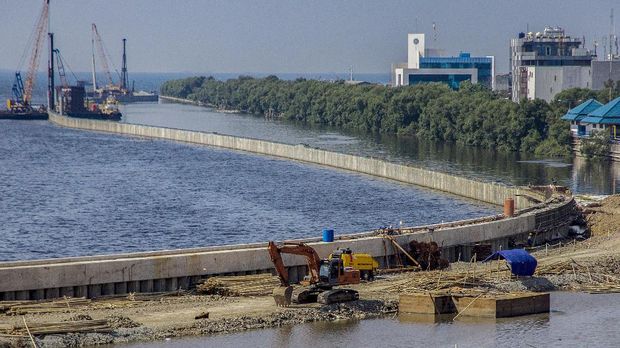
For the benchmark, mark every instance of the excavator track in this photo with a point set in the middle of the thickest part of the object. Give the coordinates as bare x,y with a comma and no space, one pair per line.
337,296
305,294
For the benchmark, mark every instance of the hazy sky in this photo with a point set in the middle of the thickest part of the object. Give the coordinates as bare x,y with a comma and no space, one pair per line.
289,36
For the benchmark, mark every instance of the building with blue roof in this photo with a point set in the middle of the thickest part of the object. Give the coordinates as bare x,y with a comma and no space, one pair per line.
576,114
425,65
591,116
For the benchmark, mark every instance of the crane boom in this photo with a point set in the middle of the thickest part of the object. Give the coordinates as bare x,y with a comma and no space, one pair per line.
37,47
312,259
102,55
61,69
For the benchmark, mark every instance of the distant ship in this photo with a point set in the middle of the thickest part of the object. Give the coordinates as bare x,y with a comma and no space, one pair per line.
71,101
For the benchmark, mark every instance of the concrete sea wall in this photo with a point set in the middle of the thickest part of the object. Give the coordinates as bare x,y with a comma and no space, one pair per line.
493,193
94,276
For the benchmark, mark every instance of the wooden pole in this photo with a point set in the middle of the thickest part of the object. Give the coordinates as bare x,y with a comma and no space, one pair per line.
403,250
34,344
464,309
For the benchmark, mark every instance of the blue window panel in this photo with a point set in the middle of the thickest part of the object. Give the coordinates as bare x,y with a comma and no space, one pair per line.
452,80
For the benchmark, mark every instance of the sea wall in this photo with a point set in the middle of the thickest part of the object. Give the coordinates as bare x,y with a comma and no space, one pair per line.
93,276
493,193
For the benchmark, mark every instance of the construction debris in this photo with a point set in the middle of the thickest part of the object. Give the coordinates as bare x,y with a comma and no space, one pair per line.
67,304
30,307
428,255
248,285
50,328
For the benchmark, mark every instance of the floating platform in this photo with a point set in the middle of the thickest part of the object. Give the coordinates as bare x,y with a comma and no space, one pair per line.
475,305
7,115
136,97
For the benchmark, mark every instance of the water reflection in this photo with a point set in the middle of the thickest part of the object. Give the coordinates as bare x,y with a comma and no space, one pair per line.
576,320
483,164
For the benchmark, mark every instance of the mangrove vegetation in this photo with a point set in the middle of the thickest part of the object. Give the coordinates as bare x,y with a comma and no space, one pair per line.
472,115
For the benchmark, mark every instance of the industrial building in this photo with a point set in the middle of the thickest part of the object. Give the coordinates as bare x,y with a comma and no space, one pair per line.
543,64
605,70
427,65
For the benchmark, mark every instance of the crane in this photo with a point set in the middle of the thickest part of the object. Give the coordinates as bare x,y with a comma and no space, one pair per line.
98,43
22,91
61,63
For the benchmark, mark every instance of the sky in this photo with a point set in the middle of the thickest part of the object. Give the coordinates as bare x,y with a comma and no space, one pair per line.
289,36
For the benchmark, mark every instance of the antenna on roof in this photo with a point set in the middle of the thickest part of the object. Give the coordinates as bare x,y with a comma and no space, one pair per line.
435,34
611,33
595,46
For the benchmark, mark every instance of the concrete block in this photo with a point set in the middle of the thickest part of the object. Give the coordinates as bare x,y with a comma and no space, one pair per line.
183,283
94,291
146,286
66,291
426,303
159,285
120,288
80,291
107,289
171,284
22,295
510,305
133,286
52,293
37,294
194,280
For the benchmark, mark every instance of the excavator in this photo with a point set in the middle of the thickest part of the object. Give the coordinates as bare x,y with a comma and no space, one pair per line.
319,285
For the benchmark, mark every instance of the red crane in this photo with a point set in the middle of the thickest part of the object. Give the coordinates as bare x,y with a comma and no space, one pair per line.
39,38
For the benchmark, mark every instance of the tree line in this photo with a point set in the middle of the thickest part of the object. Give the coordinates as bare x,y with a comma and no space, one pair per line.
472,115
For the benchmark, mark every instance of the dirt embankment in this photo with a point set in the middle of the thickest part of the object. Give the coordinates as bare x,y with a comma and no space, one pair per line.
604,217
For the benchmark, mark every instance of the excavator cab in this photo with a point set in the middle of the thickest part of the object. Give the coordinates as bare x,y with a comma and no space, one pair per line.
332,272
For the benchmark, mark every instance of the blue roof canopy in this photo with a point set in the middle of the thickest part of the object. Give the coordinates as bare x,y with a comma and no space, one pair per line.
582,110
606,114
520,261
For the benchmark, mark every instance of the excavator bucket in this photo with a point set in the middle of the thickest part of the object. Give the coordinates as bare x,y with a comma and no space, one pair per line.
282,295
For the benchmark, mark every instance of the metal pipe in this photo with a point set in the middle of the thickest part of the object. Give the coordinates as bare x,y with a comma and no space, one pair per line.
50,75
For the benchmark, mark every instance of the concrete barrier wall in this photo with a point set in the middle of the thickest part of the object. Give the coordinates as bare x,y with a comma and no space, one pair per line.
482,191
169,270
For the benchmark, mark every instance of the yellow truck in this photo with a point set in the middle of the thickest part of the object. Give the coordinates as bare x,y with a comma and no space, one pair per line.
358,261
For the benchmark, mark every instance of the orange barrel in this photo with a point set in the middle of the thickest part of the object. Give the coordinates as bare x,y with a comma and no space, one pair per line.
509,207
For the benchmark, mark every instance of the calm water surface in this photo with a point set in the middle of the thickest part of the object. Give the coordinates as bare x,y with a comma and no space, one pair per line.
66,192
576,320
511,168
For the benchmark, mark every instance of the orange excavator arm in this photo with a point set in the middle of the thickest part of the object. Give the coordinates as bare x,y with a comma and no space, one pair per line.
312,259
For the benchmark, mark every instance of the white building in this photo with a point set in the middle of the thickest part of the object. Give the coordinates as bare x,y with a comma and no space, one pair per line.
427,65
543,64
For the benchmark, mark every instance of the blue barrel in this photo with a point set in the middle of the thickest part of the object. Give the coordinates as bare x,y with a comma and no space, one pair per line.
328,235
